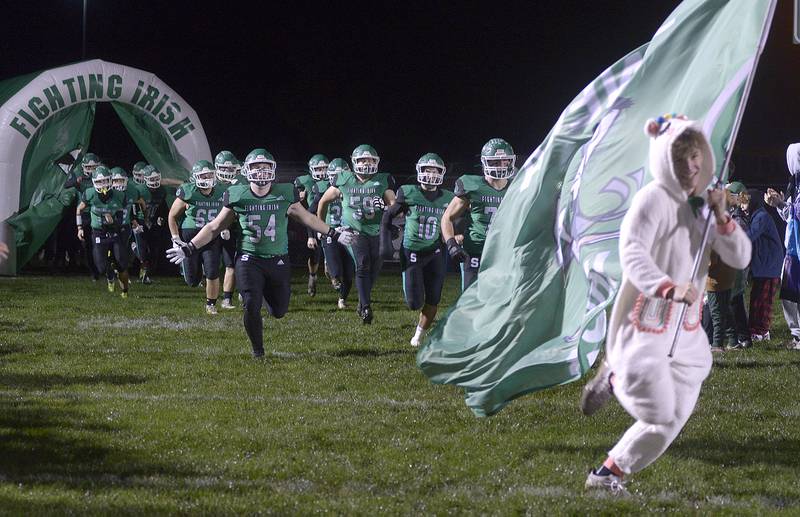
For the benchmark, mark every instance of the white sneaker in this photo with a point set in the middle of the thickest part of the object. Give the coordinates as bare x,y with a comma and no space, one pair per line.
760,337
226,304
341,303
211,309
611,483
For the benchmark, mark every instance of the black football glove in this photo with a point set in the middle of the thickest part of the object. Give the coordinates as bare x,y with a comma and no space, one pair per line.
455,250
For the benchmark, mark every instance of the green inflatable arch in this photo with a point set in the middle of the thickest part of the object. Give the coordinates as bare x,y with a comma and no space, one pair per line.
46,119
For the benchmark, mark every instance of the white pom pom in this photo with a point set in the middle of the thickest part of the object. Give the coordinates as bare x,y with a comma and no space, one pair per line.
651,128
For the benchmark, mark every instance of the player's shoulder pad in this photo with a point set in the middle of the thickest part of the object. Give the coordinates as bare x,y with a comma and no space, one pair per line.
234,193
284,190
447,195
343,177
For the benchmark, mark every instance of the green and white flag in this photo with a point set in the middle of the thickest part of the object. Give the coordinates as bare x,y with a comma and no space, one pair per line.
536,317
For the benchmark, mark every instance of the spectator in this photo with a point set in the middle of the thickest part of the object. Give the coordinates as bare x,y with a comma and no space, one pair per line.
765,267
738,201
789,210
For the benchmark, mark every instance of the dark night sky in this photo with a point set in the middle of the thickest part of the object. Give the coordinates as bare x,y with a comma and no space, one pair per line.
300,78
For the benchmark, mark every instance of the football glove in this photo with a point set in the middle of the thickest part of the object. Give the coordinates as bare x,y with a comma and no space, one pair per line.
176,241
378,203
455,251
138,229
342,235
312,243
225,235
178,254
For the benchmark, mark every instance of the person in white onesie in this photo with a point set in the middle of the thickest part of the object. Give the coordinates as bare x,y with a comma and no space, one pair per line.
659,238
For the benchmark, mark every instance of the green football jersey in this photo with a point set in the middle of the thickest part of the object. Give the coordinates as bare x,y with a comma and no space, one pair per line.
305,184
423,230
359,199
483,203
334,216
202,208
114,204
264,220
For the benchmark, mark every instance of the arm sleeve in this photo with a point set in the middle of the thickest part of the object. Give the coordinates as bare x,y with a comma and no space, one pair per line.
226,199
391,184
637,235
758,226
786,210
386,249
459,190
732,244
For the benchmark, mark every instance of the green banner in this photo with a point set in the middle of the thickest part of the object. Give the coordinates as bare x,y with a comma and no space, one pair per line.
536,317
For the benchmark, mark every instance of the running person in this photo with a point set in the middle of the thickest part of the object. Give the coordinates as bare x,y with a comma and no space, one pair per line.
199,202
131,217
82,182
364,194
338,262
422,259
229,173
262,261
306,185
155,217
481,196
106,208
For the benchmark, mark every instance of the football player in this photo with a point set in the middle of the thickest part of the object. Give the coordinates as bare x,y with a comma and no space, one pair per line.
338,262
199,202
106,208
82,182
131,216
364,194
262,263
422,259
155,218
229,173
481,196
306,186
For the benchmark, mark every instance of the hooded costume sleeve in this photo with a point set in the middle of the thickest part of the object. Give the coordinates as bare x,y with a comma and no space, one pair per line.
637,235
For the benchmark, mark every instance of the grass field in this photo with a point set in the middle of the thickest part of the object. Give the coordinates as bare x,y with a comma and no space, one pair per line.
148,405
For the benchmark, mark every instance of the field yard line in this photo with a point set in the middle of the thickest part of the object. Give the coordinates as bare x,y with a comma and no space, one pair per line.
323,401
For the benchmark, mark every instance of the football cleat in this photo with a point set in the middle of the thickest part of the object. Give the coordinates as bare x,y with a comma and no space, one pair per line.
211,309
341,303
145,279
366,315
227,304
124,295
416,340
111,286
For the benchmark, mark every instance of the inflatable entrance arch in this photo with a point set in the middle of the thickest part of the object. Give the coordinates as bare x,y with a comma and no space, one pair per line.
46,120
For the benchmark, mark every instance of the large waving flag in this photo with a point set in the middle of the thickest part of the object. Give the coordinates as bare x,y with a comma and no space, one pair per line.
536,317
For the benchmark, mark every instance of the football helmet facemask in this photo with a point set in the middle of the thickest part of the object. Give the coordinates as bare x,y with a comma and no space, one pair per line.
365,160
430,169
259,167
204,174
497,159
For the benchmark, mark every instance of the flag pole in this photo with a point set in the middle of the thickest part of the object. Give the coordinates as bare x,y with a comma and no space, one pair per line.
728,151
